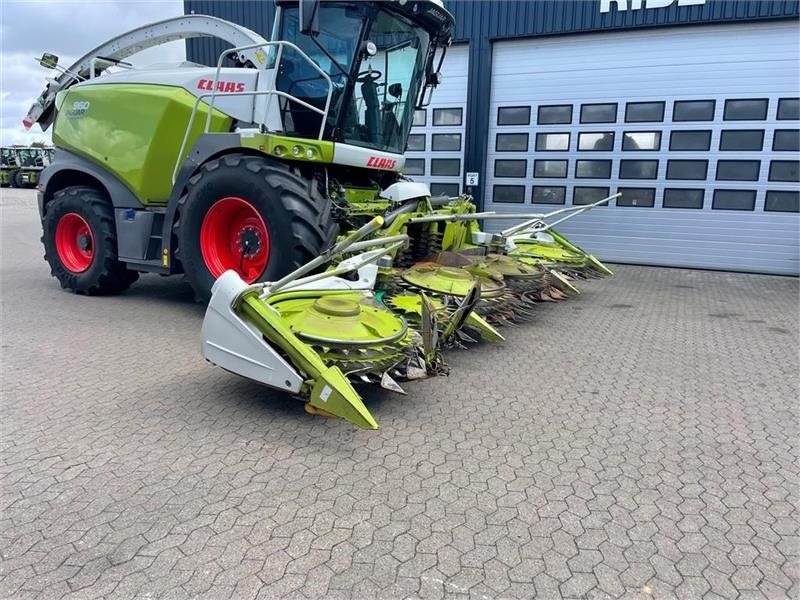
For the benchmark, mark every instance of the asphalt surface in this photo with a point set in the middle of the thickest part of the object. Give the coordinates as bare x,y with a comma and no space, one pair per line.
639,441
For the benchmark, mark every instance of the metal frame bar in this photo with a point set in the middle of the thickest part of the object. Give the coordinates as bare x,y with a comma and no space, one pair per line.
280,44
271,93
181,157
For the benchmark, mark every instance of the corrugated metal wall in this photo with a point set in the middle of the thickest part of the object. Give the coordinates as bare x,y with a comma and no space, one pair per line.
253,14
524,18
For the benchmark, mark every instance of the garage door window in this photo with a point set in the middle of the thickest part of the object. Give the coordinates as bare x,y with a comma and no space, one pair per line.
693,110
550,168
683,198
587,195
554,115
789,109
644,112
446,166
509,194
741,139
641,140
511,142
593,169
644,197
549,194
782,201
738,170
746,110
734,200
444,189
599,113
414,166
446,141
596,141
638,169
514,115
786,140
416,142
420,118
510,168
447,116
690,140
552,142
687,169
784,170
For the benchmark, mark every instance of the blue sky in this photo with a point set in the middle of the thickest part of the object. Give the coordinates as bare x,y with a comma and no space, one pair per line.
69,29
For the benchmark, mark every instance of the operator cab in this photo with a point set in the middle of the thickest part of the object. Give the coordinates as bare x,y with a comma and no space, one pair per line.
8,157
381,58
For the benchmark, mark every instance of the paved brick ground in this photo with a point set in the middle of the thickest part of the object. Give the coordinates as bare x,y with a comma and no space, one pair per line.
639,441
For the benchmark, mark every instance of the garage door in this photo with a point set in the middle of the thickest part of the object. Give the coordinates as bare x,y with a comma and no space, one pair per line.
696,126
435,152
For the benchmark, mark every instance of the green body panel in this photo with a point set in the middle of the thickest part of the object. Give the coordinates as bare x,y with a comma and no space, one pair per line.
327,387
30,177
290,148
5,178
569,245
362,202
362,195
132,130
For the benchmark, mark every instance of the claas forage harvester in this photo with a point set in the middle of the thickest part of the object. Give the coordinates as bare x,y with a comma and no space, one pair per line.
273,182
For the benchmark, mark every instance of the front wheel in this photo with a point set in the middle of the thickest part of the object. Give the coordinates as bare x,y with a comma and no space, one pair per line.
254,215
80,243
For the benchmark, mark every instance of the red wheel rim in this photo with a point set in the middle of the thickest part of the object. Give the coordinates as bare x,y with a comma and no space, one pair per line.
234,236
74,242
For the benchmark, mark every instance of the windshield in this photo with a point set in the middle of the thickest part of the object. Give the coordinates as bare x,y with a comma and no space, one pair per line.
372,97
26,158
387,85
333,52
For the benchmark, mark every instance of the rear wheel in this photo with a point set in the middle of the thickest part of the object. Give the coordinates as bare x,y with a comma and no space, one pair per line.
253,215
80,243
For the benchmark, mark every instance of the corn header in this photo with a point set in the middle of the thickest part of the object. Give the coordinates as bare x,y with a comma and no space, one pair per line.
273,182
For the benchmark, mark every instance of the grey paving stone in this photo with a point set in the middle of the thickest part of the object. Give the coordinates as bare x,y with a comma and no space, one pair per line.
628,443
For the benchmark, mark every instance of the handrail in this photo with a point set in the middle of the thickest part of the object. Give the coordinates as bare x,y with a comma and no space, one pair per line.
280,44
289,97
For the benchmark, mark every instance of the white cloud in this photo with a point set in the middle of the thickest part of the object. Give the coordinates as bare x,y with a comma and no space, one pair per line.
69,29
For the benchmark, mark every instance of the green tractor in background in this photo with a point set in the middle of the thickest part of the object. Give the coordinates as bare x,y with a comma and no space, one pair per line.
22,166
285,159
8,166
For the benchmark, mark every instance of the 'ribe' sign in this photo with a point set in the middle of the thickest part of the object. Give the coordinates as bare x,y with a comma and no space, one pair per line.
622,5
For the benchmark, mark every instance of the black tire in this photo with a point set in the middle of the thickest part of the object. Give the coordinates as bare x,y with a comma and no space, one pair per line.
18,182
297,216
106,274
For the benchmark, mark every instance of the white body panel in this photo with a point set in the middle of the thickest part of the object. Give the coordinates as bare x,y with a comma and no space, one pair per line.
355,156
406,190
237,346
197,81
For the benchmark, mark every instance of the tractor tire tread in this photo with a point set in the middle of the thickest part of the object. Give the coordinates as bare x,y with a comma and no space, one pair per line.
309,214
114,276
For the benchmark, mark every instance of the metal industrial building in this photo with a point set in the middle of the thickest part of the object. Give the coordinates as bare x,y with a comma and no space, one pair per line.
688,107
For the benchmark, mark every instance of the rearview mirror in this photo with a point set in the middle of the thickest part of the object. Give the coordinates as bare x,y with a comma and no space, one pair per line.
309,17
48,61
